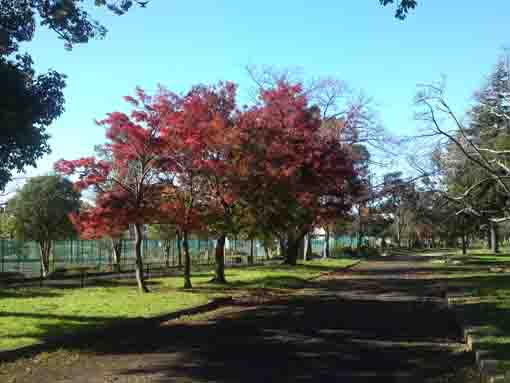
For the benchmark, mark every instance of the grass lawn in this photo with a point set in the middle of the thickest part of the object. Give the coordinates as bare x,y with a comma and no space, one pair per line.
481,257
484,297
486,308
31,315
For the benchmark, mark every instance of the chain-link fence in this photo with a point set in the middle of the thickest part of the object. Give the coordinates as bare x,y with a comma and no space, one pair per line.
23,258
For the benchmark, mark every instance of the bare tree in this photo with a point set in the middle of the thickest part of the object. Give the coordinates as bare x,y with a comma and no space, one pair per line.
461,143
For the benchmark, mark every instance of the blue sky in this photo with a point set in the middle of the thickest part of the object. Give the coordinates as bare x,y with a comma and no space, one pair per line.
179,43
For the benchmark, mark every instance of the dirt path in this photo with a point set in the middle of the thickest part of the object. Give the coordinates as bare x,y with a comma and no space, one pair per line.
379,322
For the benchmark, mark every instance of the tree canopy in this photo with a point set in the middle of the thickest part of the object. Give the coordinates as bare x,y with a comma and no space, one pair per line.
197,161
30,102
67,18
40,212
403,7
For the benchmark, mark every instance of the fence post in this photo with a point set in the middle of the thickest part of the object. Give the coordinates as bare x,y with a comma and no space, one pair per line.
40,275
99,254
3,255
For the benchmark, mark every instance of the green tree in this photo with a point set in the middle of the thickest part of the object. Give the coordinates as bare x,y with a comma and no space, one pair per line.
6,226
29,103
41,213
67,18
403,7
167,233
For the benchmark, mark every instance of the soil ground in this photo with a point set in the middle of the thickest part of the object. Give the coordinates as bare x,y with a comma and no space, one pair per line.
382,321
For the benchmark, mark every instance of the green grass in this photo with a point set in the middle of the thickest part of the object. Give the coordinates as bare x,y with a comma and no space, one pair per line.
481,258
484,302
31,315
485,294
489,313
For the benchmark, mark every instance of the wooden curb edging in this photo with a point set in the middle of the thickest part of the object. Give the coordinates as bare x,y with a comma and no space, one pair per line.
108,329
487,366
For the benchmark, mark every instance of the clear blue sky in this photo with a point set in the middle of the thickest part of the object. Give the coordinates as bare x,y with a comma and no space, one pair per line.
180,43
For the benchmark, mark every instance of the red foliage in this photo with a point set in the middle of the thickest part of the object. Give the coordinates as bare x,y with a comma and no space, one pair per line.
126,184
286,161
177,158
200,135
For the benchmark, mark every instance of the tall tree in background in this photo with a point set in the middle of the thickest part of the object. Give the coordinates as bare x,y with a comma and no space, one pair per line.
7,227
40,211
476,150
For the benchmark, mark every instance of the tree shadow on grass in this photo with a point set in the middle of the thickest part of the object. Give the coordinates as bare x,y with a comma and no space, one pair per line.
306,339
487,262
270,281
486,309
122,283
312,338
485,285
492,324
7,292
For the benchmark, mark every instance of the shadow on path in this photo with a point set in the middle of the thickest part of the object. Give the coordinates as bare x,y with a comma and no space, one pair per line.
386,333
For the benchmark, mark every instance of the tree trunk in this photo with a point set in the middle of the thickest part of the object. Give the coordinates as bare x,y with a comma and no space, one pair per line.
302,249
219,255
283,250
464,244
251,259
399,236
309,247
326,253
179,249
266,251
187,261
494,238
168,246
360,233
116,252
45,251
291,255
142,287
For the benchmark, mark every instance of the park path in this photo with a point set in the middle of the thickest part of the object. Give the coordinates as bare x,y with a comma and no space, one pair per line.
382,321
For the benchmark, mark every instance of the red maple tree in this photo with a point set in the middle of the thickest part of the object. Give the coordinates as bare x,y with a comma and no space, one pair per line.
126,184
200,136
291,174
